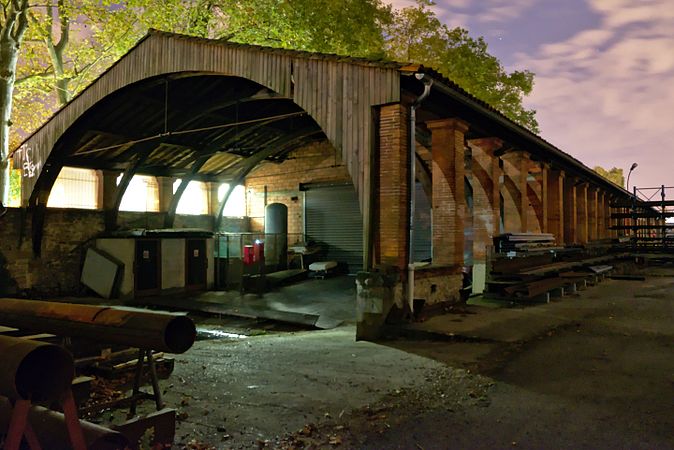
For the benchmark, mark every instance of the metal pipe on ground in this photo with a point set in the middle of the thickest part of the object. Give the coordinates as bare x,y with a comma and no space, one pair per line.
171,333
35,371
50,428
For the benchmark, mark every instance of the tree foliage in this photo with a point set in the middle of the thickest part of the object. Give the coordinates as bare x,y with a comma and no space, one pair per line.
417,35
615,175
70,42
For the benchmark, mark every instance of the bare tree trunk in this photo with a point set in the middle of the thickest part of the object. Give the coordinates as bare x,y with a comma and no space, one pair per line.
8,58
56,50
13,25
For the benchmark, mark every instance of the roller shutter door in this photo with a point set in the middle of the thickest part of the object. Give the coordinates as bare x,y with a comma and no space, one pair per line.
422,226
333,220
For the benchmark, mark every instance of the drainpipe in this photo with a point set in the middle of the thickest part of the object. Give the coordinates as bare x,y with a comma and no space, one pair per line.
428,82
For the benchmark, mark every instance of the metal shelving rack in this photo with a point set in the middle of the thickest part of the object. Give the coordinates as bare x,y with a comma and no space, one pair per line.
644,218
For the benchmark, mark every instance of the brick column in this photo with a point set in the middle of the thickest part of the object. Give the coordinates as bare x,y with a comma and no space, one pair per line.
516,202
536,198
582,223
449,200
213,202
107,188
391,230
486,203
165,185
592,213
486,194
570,211
555,208
545,172
601,212
612,222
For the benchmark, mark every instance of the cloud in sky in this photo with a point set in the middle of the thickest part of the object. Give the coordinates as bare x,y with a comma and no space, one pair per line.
606,95
604,69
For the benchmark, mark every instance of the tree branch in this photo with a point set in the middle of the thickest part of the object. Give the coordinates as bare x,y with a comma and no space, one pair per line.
45,74
22,20
64,21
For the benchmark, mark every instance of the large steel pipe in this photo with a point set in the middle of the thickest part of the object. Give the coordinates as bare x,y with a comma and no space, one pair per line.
35,371
172,333
50,429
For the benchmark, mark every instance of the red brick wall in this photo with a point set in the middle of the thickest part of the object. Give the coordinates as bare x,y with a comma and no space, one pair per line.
449,201
393,201
315,163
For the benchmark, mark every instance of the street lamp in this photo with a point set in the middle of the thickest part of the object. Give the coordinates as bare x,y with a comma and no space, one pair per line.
634,166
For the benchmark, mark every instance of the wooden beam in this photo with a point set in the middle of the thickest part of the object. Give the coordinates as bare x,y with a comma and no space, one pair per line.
143,150
169,219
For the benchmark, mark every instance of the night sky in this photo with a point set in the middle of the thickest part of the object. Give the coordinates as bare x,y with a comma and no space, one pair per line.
604,74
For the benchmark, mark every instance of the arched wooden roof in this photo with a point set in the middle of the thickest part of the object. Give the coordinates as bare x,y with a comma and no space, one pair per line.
170,99
293,92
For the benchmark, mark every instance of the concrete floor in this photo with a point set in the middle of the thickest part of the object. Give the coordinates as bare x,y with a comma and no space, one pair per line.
595,370
323,303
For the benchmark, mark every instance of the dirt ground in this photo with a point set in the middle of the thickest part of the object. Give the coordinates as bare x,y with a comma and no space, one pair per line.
602,376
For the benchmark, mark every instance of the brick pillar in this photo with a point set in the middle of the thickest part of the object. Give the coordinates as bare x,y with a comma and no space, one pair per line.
213,202
449,201
570,211
545,171
393,201
536,198
601,213
107,188
486,203
165,185
592,213
516,202
612,221
486,194
555,208
582,223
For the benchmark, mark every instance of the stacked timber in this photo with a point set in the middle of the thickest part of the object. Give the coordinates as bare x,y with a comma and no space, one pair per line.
532,276
523,242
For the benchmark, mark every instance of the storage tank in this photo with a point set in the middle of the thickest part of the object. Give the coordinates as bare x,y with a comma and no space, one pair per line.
276,224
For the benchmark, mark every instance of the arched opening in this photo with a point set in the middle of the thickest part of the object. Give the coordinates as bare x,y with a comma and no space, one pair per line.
211,152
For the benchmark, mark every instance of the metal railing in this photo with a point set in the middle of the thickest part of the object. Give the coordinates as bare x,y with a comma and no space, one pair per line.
229,251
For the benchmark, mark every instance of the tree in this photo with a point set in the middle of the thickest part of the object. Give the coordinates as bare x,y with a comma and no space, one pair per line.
70,42
13,25
614,175
325,26
417,35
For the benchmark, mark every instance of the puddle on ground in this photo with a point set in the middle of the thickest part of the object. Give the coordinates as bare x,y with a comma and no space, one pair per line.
204,334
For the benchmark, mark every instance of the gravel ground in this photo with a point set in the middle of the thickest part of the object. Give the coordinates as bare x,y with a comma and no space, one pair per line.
603,381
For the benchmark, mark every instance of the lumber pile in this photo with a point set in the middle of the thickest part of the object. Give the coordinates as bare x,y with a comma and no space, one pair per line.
524,242
529,267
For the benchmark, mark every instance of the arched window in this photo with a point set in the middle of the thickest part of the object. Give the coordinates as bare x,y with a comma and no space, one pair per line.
194,200
236,203
141,195
74,188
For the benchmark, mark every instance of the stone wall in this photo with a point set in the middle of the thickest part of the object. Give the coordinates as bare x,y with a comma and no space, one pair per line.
67,235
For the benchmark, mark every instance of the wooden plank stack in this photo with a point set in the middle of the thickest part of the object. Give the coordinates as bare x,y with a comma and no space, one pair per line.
523,242
529,267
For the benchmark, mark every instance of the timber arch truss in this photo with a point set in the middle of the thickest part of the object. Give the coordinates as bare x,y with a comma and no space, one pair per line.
199,109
